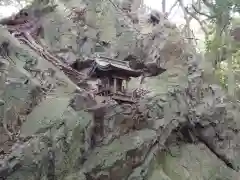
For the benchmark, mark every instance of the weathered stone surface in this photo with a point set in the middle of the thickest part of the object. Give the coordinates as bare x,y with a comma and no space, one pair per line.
29,158
144,171
45,115
82,101
66,141
195,162
127,152
76,176
159,174
111,142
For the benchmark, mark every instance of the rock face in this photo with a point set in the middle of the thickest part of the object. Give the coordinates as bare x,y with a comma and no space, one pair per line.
192,162
58,132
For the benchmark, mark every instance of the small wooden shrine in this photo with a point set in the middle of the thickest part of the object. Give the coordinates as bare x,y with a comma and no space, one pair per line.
112,78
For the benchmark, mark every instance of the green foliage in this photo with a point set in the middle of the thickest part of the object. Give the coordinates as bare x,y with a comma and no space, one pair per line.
221,73
219,44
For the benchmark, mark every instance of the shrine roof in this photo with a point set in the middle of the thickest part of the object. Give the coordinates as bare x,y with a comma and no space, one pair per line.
104,64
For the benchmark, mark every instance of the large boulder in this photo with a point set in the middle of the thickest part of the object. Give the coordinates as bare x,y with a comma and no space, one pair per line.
66,135
194,162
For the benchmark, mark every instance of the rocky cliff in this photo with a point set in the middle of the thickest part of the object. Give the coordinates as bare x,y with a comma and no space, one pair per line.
185,128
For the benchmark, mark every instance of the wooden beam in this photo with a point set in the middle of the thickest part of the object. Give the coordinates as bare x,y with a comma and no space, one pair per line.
115,85
120,77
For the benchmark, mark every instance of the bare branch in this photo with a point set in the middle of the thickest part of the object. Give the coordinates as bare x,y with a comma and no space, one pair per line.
198,20
170,10
203,22
125,17
202,13
187,19
209,5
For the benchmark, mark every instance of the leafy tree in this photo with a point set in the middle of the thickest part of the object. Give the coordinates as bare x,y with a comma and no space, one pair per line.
223,51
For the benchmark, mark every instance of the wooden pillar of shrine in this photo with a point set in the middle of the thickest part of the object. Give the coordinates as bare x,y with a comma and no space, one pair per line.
114,85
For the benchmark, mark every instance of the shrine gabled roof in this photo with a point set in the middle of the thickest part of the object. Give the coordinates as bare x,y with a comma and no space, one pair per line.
104,64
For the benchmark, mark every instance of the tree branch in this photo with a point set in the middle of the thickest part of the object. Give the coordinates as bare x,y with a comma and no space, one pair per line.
202,13
170,10
209,5
198,20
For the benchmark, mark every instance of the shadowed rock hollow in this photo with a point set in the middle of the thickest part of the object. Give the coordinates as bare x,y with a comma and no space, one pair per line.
185,128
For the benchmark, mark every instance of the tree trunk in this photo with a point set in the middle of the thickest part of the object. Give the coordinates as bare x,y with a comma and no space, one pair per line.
231,78
164,6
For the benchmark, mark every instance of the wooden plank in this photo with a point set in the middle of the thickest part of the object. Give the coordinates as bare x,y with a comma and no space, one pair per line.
120,77
123,98
115,85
